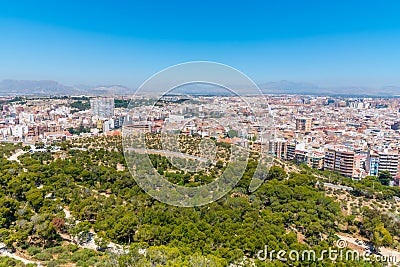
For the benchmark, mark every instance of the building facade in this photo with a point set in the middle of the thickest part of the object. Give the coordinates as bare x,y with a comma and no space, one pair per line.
303,124
341,160
102,107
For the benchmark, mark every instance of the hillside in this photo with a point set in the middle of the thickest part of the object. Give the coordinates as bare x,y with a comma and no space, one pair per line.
81,206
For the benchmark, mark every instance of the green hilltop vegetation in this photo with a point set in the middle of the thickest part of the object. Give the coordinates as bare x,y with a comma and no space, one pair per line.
51,204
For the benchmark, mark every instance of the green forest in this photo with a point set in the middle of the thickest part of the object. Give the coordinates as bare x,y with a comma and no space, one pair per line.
53,204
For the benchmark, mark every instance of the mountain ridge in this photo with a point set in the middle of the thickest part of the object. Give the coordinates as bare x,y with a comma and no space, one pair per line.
9,87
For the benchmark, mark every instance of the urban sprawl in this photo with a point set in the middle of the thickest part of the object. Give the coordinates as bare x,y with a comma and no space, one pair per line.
356,137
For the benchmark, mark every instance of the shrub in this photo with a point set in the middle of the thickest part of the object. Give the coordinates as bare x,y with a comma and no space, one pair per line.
33,251
44,256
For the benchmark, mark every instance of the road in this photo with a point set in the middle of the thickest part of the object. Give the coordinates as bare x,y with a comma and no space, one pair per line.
387,252
169,153
339,187
15,156
13,255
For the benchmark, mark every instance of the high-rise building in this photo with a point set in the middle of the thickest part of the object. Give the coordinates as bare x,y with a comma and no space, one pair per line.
119,121
291,150
315,160
340,159
303,124
102,107
329,162
108,125
278,148
372,165
389,161
384,160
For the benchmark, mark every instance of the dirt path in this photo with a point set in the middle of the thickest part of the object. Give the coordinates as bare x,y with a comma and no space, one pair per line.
387,252
13,255
15,156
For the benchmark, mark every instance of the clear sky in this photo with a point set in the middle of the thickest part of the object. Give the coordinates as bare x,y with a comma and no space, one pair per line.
124,42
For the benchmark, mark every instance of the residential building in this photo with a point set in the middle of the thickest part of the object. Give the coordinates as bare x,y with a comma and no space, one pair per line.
102,107
340,159
303,124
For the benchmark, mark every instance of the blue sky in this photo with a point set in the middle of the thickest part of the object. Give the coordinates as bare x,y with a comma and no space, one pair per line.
330,43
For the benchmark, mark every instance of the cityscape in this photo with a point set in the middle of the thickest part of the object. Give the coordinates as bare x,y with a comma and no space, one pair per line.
356,137
199,133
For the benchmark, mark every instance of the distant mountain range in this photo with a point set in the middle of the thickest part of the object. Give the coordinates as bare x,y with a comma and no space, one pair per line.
48,87
288,87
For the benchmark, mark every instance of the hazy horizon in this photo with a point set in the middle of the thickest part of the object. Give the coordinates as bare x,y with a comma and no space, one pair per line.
329,44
